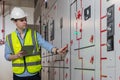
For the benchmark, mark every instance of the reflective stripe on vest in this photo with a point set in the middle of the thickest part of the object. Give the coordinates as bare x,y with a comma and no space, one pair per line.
32,62
28,64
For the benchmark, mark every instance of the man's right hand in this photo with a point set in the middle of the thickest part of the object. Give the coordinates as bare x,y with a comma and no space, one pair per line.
18,55
21,54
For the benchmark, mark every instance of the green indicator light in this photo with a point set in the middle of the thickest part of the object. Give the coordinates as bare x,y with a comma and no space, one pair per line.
76,33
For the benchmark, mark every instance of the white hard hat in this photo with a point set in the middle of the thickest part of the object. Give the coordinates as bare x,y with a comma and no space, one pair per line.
17,13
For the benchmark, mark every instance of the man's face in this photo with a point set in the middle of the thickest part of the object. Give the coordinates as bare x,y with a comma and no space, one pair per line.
21,23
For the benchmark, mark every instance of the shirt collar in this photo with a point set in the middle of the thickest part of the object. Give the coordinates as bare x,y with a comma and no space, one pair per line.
24,31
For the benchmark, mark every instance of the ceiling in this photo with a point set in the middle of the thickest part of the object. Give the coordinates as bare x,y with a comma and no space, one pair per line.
19,3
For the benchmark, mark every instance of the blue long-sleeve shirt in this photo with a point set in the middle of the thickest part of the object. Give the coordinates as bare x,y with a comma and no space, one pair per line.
41,42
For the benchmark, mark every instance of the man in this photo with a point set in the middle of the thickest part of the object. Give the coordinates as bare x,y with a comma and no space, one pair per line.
25,67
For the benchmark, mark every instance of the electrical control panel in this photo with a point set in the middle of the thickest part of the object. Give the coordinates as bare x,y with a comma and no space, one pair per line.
91,29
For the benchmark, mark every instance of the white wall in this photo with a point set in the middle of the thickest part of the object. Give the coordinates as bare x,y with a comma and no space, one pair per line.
5,66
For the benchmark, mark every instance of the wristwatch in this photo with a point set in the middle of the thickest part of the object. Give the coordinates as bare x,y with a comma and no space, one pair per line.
56,51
